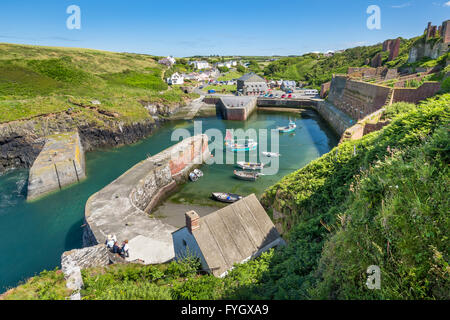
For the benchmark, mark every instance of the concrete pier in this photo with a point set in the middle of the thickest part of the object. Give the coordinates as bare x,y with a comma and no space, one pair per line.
60,163
122,208
237,108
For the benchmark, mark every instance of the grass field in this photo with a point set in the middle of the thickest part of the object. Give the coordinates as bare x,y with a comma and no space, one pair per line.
39,80
230,76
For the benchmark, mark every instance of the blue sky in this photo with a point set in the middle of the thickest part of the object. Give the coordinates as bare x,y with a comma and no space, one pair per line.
191,27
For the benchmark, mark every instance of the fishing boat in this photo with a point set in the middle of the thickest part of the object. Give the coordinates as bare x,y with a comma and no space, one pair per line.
271,154
245,175
247,145
290,128
250,165
226,197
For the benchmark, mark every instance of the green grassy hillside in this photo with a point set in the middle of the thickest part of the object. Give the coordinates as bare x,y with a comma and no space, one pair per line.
315,69
381,200
39,80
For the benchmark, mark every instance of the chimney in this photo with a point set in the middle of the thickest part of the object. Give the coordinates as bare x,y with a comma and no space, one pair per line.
192,220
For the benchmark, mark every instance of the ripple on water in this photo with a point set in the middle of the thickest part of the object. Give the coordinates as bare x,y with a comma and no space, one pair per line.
13,188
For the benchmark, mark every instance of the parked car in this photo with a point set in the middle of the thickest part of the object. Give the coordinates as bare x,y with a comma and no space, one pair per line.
212,91
289,96
271,95
283,96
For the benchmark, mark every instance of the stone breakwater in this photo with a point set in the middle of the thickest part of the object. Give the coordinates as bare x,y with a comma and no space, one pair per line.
122,208
21,141
60,163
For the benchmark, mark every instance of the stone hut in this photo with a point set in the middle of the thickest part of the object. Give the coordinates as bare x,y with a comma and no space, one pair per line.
251,84
231,235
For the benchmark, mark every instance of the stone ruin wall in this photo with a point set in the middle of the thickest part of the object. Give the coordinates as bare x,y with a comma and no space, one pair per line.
415,95
357,99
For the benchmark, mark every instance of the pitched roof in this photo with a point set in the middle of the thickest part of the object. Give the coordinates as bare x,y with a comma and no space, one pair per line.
251,77
234,233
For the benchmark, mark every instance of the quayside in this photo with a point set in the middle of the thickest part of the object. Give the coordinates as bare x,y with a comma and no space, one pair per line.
35,234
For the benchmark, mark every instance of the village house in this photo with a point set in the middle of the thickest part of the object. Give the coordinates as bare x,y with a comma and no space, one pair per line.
175,78
169,61
287,85
228,64
199,65
234,234
251,84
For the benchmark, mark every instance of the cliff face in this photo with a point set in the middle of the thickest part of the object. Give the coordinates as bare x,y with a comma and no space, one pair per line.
22,141
431,50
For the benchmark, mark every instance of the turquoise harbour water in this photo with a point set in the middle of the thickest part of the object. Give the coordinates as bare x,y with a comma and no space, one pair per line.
34,235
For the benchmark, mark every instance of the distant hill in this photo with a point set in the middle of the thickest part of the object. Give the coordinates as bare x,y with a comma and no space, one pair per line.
315,69
38,80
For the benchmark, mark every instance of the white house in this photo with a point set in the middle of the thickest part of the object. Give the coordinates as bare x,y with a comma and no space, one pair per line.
175,78
200,64
169,61
288,85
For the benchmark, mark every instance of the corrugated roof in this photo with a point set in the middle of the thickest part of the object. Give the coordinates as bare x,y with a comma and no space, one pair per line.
234,233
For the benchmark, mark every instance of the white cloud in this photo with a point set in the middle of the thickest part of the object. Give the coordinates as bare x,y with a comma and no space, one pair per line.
447,4
404,5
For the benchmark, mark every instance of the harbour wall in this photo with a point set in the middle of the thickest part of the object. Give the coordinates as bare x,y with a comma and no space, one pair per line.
122,208
237,108
60,163
338,120
359,99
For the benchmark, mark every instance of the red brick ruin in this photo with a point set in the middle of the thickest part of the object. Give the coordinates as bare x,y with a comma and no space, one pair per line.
393,46
434,31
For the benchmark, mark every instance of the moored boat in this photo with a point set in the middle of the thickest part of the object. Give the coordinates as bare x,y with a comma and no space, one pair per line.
248,176
195,175
226,197
250,165
290,128
271,154
249,145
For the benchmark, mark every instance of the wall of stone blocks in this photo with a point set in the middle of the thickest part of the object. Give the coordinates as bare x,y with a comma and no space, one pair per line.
413,95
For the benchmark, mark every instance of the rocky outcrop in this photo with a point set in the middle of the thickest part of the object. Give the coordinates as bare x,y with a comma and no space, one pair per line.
22,141
72,262
429,49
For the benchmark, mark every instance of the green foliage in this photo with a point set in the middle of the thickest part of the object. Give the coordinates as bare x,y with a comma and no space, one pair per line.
327,255
223,69
40,80
151,80
446,85
60,69
240,68
315,70
48,285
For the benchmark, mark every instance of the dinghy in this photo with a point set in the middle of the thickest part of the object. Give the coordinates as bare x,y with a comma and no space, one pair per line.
271,154
290,128
248,176
226,197
195,175
248,145
250,165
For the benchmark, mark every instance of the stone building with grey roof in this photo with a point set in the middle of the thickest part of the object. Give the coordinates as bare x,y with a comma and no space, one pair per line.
251,84
234,234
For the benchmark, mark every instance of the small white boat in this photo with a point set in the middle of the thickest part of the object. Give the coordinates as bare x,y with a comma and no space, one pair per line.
271,154
248,176
195,175
198,173
250,165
